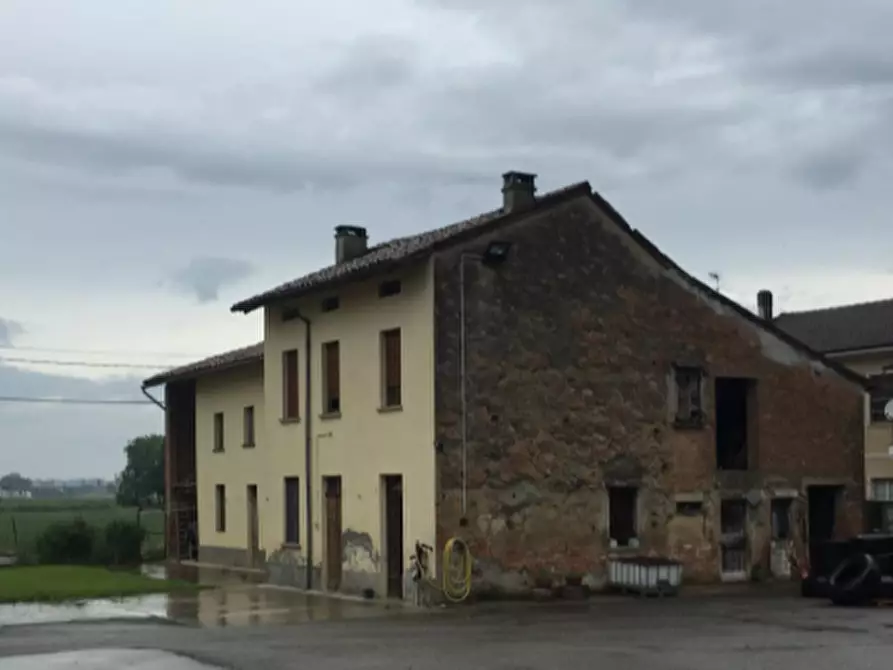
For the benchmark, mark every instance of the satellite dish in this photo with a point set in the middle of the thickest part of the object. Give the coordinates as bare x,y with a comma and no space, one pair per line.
888,410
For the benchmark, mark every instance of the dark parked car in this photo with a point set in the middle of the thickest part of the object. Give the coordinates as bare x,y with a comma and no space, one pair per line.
853,571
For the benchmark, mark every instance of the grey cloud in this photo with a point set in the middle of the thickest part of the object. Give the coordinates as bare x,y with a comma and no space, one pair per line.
833,168
205,276
9,330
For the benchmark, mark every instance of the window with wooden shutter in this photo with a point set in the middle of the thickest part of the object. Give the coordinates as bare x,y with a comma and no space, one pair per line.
331,378
290,396
220,500
248,426
218,432
392,391
292,505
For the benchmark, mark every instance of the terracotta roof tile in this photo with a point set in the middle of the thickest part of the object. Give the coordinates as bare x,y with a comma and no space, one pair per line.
224,361
396,252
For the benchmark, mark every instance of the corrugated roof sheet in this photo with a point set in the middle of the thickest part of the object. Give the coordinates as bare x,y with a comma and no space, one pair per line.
224,361
847,327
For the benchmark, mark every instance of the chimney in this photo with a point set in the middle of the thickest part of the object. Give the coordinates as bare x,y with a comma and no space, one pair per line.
350,243
518,189
764,305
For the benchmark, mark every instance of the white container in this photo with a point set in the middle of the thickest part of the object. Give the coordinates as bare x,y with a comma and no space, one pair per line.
645,575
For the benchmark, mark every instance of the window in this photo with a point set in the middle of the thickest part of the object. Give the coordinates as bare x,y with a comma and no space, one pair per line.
218,431
781,519
732,422
290,314
292,505
622,514
881,392
689,508
330,304
248,427
882,489
689,406
290,411
392,395
331,378
220,502
389,288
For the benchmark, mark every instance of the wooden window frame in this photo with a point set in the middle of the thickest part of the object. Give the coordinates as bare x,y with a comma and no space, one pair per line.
219,433
292,527
248,426
391,369
331,379
291,386
220,508
689,411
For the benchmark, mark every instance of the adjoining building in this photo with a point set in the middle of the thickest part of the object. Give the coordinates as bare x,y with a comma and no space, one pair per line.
540,381
860,336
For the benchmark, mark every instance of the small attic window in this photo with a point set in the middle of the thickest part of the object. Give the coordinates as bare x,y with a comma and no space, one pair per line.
330,304
290,313
389,288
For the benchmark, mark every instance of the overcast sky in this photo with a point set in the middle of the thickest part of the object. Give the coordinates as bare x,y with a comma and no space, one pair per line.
162,159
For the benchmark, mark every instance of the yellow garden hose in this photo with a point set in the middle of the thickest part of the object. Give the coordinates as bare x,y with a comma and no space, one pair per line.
457,565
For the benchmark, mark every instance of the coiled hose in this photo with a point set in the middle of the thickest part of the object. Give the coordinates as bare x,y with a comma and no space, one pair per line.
457,565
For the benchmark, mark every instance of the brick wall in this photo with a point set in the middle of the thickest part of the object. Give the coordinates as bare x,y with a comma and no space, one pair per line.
570,348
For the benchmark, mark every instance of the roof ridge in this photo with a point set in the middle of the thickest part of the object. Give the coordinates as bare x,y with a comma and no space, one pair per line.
398,250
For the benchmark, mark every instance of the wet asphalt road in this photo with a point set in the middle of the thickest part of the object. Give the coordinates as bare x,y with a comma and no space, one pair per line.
684,634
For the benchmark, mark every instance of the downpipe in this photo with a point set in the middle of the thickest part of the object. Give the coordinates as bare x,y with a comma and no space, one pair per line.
308,458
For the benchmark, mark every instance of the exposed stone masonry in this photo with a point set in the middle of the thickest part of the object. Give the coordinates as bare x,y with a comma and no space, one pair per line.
570,351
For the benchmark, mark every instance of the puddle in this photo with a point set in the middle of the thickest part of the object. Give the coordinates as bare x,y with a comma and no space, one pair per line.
231,600
103,659
141,607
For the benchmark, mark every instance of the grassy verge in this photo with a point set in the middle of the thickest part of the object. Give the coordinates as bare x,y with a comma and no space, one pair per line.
58,583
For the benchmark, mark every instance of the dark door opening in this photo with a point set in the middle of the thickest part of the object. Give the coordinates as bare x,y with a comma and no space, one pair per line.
732,442
733,539
253,525
393,485
822,515
332,488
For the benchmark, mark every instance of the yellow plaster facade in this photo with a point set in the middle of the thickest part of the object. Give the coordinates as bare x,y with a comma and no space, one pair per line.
360,445
879,435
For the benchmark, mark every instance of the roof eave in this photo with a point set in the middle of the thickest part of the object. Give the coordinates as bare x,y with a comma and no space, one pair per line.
188,375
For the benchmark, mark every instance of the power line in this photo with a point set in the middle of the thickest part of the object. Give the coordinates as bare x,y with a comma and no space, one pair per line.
80,364
105,352
73,401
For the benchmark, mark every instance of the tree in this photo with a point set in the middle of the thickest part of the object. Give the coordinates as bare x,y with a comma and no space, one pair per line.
15,482
141,483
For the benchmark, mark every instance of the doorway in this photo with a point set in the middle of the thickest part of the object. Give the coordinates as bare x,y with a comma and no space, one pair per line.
253,525
334,557
393,513
733,540
822,516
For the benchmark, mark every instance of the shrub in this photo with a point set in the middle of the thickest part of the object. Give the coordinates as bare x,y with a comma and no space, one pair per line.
67,542
124,542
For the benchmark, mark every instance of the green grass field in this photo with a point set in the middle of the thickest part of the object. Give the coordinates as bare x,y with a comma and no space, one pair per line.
56,583
22,521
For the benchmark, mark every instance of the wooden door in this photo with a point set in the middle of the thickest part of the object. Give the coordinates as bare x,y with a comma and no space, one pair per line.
393,485
332,487
253,525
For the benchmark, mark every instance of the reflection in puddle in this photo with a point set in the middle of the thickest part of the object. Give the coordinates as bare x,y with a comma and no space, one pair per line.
232,601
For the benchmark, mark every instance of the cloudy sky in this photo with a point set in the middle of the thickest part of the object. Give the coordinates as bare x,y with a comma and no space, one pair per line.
160,160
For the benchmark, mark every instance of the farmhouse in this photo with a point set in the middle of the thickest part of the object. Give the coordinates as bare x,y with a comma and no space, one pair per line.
540,381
